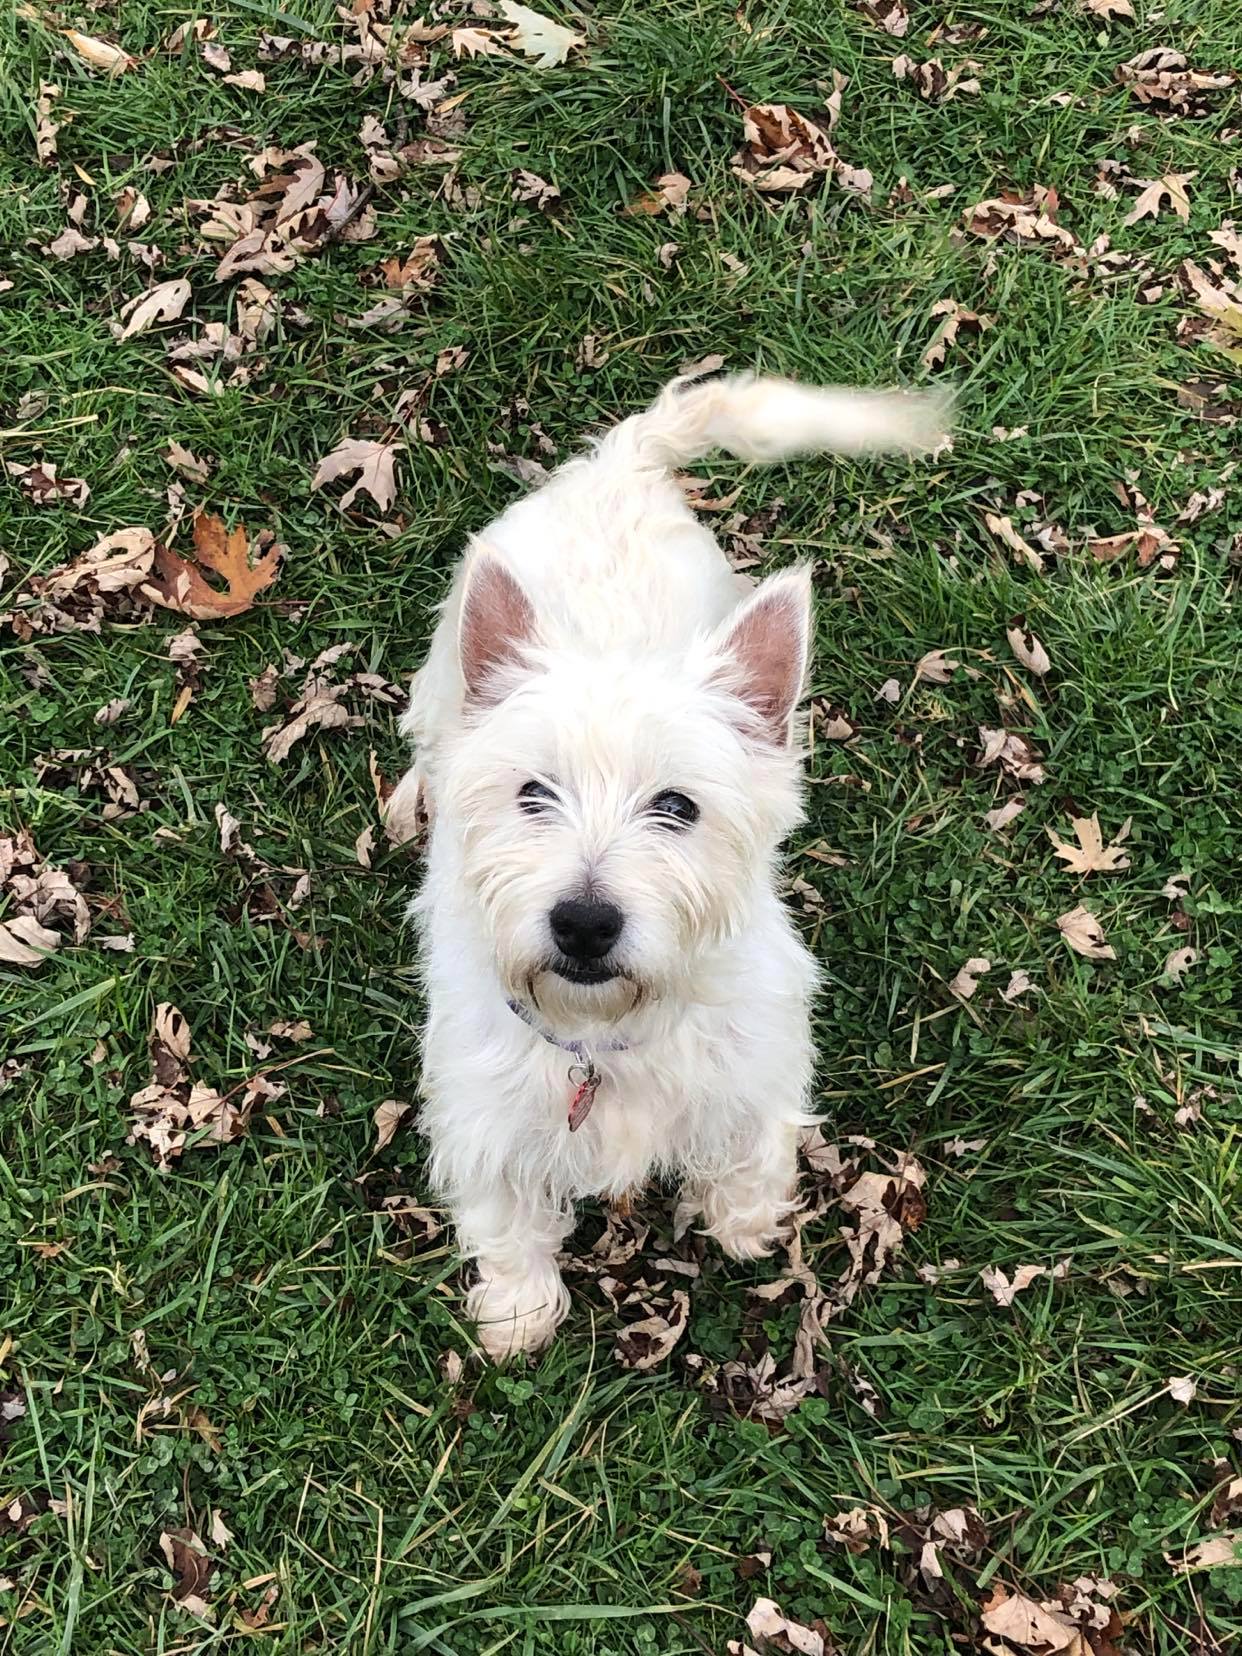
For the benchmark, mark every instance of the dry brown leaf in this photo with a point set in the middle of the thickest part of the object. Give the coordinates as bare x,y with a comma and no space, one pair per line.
100,54
765,1622
40,484
645,1344
187,1559
1003,1291
936,667
173,1106
1003,529
933,82
891,15
1029,651
163,303
1182,1388
1091,855
1220,1552
1029,220
24,942
1154,193
669,195
786,151
1019,983
1109,9
1033,1627
1161,76
1014,754
45,127
538,37
220,1534
471,43
956,317
1004,814
1084,934
966,981
111,711
373,463
388,1117
1178,963
186,462
180,585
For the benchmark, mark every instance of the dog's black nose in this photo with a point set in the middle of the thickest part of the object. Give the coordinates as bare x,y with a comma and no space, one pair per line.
585,928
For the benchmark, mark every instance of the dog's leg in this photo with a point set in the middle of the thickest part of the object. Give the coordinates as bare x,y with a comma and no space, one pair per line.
746,1203
518,1298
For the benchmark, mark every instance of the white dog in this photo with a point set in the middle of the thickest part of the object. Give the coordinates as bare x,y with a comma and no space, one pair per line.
604,733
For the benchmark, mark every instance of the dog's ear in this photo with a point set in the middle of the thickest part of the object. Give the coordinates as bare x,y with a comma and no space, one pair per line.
765,643
496,622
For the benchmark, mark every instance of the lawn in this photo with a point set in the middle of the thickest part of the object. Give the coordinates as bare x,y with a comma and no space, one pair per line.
238,1401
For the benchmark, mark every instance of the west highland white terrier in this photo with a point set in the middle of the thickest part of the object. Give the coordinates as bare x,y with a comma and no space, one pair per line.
605,739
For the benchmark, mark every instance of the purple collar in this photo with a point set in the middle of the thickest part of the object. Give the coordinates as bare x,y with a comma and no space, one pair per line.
579,1049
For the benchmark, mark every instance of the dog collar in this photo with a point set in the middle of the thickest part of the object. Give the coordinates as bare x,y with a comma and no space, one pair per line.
583,1076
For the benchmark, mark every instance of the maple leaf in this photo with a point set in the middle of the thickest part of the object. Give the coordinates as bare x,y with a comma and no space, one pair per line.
374,463
1148,205
163,303
477,43
1084,934
179,585
936,667
187,462
1029,1625
644,1344
1091,855
538,37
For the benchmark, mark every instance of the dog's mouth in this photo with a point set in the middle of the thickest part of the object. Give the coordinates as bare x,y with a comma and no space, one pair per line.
584,971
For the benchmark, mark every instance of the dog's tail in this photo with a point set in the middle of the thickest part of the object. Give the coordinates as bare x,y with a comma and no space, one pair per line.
765,420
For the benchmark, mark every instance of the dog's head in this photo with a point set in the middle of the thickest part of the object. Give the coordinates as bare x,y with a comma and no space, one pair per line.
619,816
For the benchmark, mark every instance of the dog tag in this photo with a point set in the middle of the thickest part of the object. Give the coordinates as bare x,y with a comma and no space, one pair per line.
584,1095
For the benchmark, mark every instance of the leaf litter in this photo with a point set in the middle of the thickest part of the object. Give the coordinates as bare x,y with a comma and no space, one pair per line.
321,703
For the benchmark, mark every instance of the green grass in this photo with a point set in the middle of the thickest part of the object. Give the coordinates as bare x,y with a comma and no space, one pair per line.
557,1508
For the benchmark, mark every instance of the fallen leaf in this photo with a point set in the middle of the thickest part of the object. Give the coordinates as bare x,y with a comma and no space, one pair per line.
163,303
936,667
1082,931
191,1568
933,82
1109,9
45,127
263,689
388,1117
966,981
668,196
1182,1389
1004,814
1178,963
249,80
375,466
111,711
891,15
471,43
285,1029
1220,1552
1028,220
187,463
180,585
220,1534
1019,983
1014,754
765,1621
1032,1627
1155,191
24,942
889,691
538,37
956,317
1162,76
1003,529
364,845
1003,1291
645,1344
100,54
1091,855
1029,651
40,484
785,151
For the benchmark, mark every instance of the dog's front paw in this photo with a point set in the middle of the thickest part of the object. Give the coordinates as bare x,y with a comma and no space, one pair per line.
746,1239
517,1313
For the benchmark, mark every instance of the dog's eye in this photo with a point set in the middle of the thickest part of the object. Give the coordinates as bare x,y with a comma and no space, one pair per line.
534,798
674,810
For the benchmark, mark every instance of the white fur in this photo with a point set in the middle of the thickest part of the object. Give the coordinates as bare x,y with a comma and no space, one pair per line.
634,679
